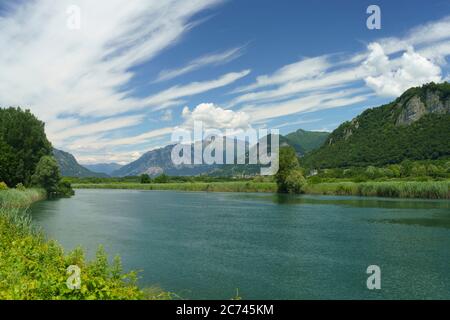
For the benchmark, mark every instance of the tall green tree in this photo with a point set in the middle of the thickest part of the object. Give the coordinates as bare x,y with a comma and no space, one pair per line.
22,144
289,177
47,175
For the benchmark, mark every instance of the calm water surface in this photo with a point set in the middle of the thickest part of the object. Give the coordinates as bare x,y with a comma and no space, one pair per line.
205,245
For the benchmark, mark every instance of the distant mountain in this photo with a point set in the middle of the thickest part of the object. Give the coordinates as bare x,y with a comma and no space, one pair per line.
159,161
307,140
106,168
70,167
415,126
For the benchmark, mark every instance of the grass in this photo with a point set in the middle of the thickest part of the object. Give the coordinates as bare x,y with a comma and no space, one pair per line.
394,189
34,268
13,198
232,186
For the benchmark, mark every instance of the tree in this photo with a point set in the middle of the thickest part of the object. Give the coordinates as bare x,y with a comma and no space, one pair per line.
47,175
162,178
289,177
145,178
22,144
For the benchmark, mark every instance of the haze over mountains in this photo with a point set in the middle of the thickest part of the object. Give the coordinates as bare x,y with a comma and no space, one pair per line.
415,126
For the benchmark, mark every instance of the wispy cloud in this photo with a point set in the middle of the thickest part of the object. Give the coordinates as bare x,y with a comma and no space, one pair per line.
164,98
68,77
204,61
328,81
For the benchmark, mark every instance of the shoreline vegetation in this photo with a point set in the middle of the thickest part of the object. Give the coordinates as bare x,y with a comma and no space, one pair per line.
35,268
392,189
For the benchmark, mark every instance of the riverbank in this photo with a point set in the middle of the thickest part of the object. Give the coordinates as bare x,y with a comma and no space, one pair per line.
393,189
34,268
13,198
232,186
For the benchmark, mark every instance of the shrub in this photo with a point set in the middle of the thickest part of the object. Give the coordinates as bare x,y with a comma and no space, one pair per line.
20,187
3,186
145,178
47,175
162,178
295,182
64,189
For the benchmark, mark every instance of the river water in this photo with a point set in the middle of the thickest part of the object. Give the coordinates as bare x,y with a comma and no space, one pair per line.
206,245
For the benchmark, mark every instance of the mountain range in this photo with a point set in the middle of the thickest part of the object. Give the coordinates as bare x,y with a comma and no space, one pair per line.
415,126
158,161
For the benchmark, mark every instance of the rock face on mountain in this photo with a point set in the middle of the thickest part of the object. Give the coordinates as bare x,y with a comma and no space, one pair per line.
415,126
69,166
416,107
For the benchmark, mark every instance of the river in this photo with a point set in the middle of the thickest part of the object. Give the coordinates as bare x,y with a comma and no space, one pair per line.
206,245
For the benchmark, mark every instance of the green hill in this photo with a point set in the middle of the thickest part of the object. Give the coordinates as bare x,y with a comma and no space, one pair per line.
308,140
415,126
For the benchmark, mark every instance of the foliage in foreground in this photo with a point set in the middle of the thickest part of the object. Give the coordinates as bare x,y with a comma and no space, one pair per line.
32,267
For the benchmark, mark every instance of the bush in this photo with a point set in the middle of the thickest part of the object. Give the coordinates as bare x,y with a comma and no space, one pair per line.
162,178
3,186
20,187
47,175
295,182
64,189
145,178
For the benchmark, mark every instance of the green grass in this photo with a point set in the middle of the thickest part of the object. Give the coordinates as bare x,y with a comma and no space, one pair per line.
394,189
13,198
34,268
238,186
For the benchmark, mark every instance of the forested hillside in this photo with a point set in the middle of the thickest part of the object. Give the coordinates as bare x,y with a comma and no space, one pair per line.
416,126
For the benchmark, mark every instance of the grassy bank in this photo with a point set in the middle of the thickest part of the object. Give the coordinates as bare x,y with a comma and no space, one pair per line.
232,186
32,267
13,198
394,189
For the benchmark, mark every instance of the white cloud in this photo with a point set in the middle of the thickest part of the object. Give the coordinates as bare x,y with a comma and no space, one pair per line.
164,98
295,123
303,69
59,72
89,129
97,143
214,117
392,77
310,103
207,60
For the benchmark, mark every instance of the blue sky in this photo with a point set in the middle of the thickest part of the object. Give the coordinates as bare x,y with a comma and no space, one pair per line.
117,84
